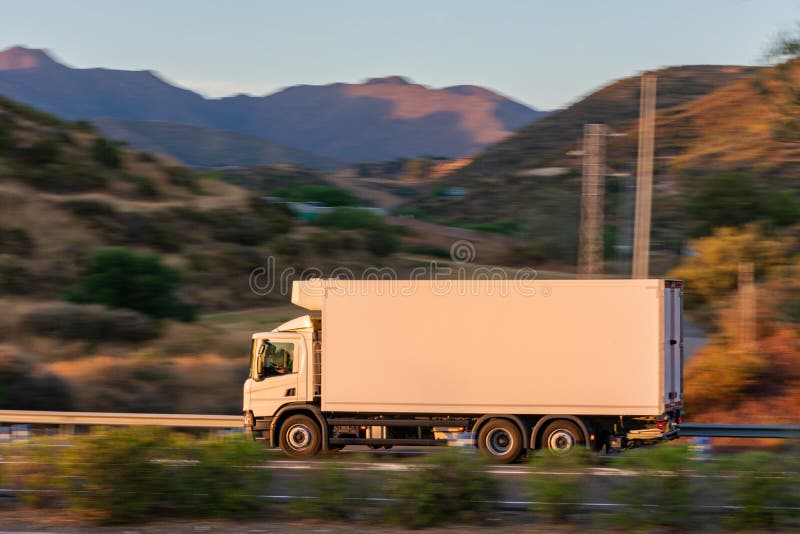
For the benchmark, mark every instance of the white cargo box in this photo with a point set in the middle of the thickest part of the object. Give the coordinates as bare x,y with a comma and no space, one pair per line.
589,347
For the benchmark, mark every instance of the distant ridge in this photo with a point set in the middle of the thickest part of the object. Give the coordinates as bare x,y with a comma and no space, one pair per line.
383,118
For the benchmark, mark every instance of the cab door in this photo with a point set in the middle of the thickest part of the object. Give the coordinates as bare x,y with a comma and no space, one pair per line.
277,364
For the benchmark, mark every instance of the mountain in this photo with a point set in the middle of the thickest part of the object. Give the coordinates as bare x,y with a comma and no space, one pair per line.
199,146
382,118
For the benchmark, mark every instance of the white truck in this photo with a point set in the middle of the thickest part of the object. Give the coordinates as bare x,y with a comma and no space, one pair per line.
513,366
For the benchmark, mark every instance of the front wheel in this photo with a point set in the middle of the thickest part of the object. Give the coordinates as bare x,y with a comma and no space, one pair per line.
300,437
500,440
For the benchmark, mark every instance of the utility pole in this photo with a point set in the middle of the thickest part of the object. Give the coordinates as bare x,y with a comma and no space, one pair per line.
747,307
644,178
590,255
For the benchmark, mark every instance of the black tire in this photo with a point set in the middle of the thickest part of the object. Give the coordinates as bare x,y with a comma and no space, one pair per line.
500,440
562,437
300,437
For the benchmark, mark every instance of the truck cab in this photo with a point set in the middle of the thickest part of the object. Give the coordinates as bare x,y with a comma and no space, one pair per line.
280,362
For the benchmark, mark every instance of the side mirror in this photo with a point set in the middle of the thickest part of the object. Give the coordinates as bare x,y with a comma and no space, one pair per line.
259,367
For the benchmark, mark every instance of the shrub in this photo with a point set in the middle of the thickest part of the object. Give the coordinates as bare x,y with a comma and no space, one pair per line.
89,322
257,225
450,486
115,476
183,177
659,493
557,496
43,152
14,278
34,469
330,492
24,386
735,199
123,278
70,177
720,376
5,134
712,271
763,489
145,187
106,153
127,475
15,241
222,480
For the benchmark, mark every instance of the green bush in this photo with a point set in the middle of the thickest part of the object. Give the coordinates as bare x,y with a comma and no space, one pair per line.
34,471
256,225
659,492
183,177
89,322
129,475
329,495
763,489
222,480
558,496
145,187
450,486
106,153
14,278
123,278
16,241
43,152
25,386
115,478
65,177
5,134
735,199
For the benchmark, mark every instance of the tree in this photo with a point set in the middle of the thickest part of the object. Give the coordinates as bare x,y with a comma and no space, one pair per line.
106,153
736,198
123,278
711,272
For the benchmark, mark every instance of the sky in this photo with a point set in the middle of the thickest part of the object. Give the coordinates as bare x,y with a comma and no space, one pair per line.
543,53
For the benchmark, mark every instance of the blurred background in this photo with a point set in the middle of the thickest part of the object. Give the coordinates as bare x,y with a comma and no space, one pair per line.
152,156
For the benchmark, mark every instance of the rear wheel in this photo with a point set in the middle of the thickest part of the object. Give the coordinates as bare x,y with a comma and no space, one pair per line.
500,440
300,437
562,437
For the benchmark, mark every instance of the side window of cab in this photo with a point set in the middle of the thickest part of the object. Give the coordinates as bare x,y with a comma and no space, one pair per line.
273,359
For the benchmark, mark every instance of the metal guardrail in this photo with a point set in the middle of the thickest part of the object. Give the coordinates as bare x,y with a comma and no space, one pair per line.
121,419
740,431
235,421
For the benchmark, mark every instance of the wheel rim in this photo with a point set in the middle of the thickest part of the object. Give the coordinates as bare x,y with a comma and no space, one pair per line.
561,441
499,441
298,436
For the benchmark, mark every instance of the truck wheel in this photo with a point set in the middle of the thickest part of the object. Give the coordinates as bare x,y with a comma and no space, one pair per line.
562,437
500,440
300,436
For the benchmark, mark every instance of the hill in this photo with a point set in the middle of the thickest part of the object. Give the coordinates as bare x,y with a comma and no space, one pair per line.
199,146
383,118
724,155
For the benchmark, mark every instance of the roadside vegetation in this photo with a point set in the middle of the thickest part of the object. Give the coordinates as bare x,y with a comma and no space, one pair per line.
135,475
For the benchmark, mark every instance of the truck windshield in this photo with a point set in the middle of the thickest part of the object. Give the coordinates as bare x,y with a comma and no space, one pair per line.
274,358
